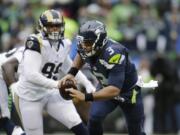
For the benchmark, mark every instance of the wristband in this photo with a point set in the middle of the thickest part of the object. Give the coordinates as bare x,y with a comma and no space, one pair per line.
89,97
73,71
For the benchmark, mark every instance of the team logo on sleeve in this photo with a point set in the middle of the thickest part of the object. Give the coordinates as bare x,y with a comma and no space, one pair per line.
29,44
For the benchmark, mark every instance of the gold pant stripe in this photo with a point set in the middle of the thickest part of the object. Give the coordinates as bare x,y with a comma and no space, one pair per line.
16,103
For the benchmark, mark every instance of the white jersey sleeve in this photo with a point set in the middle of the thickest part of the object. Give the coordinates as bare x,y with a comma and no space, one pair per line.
32,65
19,54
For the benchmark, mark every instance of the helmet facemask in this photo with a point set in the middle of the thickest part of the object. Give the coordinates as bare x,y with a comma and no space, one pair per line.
56,34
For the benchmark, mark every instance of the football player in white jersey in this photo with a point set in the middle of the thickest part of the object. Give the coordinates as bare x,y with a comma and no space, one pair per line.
45,57
15,55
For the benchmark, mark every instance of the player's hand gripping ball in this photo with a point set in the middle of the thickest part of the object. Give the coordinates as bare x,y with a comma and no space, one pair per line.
62,89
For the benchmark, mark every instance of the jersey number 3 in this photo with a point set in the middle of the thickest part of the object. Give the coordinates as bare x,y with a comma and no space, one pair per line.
50,69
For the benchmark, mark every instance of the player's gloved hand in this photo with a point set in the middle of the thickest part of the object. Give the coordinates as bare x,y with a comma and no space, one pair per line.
63,92
65,78
76,94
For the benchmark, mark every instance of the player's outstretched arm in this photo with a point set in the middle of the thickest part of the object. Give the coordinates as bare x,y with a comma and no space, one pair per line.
108,92
33,75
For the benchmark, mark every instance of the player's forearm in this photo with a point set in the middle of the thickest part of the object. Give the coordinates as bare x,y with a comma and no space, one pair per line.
78,62
40,80
8,69
106,93
33,75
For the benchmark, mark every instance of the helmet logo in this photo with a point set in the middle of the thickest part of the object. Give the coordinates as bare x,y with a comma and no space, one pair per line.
80,38
97,31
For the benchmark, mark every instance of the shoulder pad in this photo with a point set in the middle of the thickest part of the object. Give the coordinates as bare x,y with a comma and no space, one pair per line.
34,42
113,55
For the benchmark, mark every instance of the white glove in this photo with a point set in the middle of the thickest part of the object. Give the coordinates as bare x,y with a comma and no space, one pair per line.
150,84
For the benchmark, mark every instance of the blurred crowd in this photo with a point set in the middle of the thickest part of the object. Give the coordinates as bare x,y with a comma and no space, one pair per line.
148,28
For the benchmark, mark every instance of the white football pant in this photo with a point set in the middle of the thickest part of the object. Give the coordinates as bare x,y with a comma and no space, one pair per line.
4,99
31,112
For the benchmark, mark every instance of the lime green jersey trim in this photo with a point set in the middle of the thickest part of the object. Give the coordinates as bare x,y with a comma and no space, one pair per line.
115,59
133,98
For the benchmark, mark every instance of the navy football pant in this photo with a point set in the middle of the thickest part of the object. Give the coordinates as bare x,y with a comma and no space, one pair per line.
134,114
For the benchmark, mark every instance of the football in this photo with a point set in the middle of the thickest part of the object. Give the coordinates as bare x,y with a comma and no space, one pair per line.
62,89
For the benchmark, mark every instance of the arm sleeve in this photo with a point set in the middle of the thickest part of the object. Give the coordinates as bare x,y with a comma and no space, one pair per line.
32,64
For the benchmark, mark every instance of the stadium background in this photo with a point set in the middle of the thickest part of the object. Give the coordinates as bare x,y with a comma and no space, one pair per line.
149,28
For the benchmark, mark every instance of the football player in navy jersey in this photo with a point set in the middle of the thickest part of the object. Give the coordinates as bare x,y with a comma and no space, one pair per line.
109,62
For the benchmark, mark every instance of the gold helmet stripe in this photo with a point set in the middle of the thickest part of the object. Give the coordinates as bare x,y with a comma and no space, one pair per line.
49,15
39,36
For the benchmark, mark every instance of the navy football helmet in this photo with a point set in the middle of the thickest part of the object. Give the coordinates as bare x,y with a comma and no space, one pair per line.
49,19
91,33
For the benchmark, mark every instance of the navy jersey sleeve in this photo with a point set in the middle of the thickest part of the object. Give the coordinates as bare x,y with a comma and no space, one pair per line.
33,42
